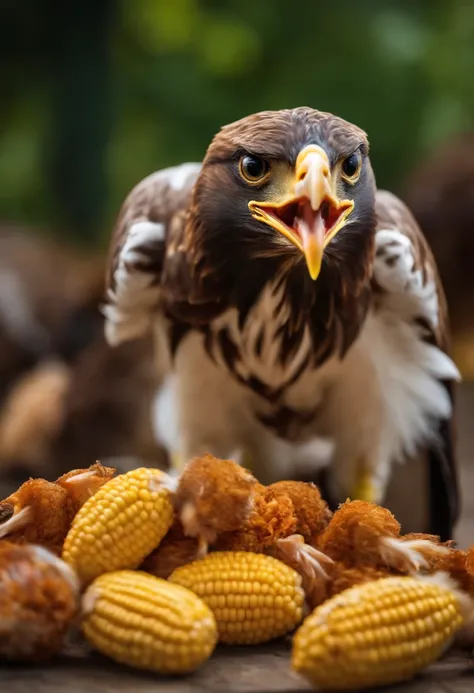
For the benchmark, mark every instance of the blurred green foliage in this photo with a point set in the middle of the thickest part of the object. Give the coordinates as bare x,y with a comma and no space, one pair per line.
98,93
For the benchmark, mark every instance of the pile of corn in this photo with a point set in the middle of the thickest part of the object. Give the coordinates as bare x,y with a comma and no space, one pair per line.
380,632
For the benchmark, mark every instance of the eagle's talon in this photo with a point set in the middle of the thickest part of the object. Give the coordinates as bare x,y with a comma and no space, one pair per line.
177,461
365,489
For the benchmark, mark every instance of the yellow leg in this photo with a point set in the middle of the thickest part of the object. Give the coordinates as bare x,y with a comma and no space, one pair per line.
177,461
364,487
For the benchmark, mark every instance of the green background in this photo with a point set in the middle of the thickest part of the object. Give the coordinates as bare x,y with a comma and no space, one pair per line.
96,94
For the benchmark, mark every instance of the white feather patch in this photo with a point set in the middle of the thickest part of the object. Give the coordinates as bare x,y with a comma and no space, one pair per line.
129,311
390,398
265,319
410,553
165,415
130,308
409,372
408,294
178,177
309,560
409,369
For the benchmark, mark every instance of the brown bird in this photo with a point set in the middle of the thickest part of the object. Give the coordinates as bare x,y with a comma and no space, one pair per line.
66,396
292,301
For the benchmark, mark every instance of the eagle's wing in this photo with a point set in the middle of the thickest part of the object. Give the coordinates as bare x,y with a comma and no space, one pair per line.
150,225
406,279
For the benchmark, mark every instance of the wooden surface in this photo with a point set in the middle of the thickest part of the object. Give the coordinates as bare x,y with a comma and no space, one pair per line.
264,669
231,670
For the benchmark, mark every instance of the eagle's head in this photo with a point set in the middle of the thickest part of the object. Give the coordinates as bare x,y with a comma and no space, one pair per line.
293,185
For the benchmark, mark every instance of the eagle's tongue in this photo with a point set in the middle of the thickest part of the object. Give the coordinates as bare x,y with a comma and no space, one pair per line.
312,230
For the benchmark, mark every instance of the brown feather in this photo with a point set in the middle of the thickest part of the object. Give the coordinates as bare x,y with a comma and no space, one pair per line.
440,192
152,199
393,213
441,460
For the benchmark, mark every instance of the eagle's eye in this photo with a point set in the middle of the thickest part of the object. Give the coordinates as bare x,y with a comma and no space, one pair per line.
253,169
351,167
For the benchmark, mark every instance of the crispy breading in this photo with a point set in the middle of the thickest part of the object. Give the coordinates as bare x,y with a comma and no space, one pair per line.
214,496
354,533
41,512
175,550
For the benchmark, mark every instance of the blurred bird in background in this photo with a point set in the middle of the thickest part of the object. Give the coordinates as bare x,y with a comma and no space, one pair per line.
66,397
291,301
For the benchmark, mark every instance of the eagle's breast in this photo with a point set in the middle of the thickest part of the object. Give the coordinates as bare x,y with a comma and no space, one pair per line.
273,358
259,351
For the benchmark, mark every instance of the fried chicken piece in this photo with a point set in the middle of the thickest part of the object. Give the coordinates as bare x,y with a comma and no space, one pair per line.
364,534
38,602
175,550
338,578
452,561
416,536
279,511
81,484
213,496
272,517
222,505
465,637
343,577
284,517
41,512
316,569
311,512
443,557
460,565
470,561
323,577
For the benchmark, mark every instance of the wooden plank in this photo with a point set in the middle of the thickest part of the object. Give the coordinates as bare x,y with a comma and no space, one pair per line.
237,670
232,670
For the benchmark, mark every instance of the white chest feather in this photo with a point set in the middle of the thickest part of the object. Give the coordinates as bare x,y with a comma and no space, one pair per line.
408,372
259,342
381,403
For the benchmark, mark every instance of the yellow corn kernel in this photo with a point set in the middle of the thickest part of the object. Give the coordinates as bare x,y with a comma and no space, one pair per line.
377,633
254,597
120,525
148,623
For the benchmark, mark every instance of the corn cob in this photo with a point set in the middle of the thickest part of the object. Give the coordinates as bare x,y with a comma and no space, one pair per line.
254,597
120,525
377,633
148,623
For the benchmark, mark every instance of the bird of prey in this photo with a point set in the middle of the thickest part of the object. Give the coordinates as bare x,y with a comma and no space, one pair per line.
292,301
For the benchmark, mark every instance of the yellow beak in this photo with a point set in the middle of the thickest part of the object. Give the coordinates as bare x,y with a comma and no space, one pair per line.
311,215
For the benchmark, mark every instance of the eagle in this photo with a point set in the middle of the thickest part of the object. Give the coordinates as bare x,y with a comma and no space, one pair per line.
292,302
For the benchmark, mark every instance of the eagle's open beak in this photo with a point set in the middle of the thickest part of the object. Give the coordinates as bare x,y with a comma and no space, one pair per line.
311,215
